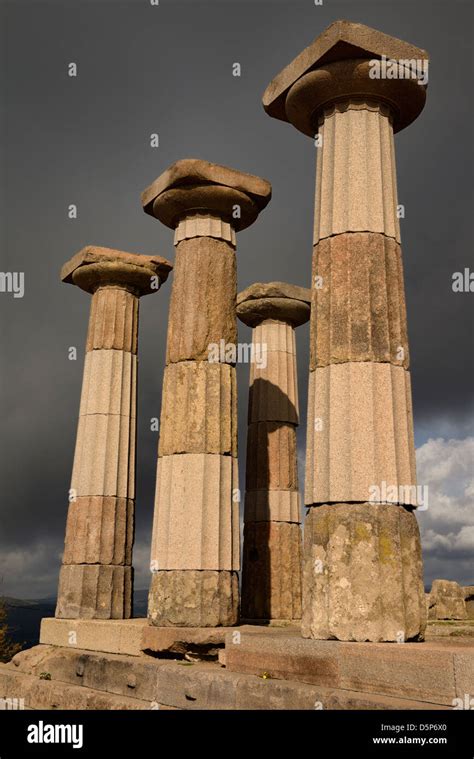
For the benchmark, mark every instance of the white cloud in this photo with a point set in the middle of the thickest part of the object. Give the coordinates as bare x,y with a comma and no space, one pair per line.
447,527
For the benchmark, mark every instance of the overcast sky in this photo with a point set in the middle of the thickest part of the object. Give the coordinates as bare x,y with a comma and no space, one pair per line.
167,69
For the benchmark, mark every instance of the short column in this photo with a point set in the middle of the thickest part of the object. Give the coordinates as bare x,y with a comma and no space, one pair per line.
96,574
271,566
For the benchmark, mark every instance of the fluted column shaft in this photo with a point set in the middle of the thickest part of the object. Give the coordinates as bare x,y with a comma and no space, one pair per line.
195,554
360,420
196,523
96,576
271,570
362,565
195,551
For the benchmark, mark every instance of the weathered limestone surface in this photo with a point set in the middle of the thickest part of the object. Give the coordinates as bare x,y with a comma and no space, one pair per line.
272,506
273,393
433,673
193,598
199,409
271,457
95,267
271,573
95,591
204,225
96,576
271,334
99,530
131,682
191,183
113,323
109,383
356,182
362,576
446,601
358,303
344,81
104,458
337,43
196,521
360,433
469,600
202,305
360,427
258,304
271,584
195,543
119,636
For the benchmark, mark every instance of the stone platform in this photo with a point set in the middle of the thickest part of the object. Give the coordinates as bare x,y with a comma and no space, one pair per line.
130,665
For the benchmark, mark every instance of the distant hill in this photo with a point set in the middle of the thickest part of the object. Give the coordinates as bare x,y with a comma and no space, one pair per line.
24,616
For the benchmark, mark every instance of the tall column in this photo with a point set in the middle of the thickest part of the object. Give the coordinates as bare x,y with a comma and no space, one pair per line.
195,552
362,565
271,565
96,574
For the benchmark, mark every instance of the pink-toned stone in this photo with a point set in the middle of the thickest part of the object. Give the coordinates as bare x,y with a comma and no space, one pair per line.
95,591
358,306
99,530
360,435
196,522
202,306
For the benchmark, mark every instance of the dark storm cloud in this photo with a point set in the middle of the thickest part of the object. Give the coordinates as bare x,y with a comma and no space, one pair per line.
168,69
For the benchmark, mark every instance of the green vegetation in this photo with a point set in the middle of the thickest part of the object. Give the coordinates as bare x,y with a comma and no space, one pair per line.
8,648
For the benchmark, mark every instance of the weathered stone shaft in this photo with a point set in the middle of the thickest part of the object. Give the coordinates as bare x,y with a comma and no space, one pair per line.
271,570
96,576
360,443
196,518
195,551
359,390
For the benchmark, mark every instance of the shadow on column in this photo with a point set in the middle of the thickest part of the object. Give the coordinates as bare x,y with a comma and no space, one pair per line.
271,565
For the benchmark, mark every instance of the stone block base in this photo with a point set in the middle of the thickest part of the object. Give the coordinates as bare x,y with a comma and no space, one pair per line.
431,672
271,574
94,591
115,636
363,574
193,598
302,674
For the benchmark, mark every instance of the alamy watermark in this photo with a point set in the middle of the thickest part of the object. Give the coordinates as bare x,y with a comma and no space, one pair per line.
240,353
415,495
12,282
404,68
14,704
46,733
463,281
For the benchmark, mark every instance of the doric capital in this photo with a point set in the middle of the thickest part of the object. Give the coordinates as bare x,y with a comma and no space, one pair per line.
349,62
191,186
95,267
274,300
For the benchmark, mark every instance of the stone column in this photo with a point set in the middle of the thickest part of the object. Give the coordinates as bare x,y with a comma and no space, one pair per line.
195,553
271,566
362,566
96,575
